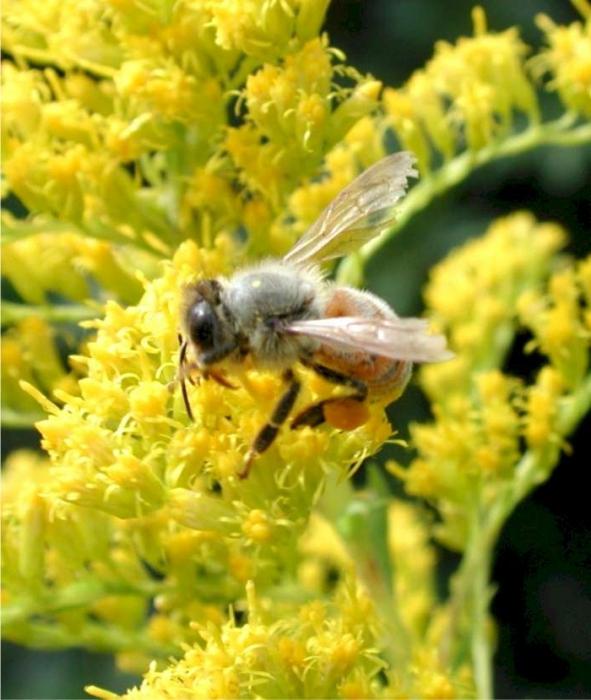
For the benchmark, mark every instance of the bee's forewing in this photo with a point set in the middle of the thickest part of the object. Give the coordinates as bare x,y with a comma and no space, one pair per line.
358,213
404,339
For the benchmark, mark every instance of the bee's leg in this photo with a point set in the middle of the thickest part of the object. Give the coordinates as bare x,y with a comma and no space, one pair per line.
219,378
186,399
183,375
269,431
314,414
186,367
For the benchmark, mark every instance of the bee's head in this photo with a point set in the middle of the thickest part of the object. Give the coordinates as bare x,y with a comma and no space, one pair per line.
205,322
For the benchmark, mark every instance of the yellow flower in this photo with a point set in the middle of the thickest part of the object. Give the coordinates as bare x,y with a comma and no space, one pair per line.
295,112
264,30
480,295
482,79
568,59
134,133
94,152
557,321
125,449
256,526
474,294
30,353
68,260
272,658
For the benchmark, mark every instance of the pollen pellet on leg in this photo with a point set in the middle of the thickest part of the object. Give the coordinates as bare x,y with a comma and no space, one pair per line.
346,414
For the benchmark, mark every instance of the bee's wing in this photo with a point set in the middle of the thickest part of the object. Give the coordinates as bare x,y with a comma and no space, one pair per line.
404,339
359,212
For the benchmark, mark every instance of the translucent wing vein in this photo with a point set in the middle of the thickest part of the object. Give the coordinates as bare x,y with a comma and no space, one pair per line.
358,213
404,339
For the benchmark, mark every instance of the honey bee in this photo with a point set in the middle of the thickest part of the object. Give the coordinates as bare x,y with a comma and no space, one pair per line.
284,312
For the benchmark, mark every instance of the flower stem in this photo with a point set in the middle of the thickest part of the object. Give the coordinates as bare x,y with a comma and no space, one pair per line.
480,634
471,593
92,635
61,313
12,418
47,58
80,594
468,636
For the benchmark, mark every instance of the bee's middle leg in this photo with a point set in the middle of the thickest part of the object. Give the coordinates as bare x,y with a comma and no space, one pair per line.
269,431
314,415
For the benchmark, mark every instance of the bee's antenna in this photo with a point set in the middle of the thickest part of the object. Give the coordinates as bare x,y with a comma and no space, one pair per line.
182,363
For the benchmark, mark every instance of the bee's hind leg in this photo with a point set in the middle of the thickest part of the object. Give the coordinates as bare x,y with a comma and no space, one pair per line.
269,431
314,415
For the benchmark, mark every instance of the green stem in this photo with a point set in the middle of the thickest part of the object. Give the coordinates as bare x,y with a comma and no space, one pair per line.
81,594
560,132
480,643
63,313
471,587
91,635
19,420
15,229
361,522
47,58
105,232
467,636
379,584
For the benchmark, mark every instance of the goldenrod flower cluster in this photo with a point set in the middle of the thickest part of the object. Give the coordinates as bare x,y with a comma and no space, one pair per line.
70,263
568,59
72,267
149,125
482,296
122,445
322,649
466,96
325,649
29,353
127,134
472,94
474,296
149,144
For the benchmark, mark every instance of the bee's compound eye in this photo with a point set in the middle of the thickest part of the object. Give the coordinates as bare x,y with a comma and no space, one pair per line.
202,323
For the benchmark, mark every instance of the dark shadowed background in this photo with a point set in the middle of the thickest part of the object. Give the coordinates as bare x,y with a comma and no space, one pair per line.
543,562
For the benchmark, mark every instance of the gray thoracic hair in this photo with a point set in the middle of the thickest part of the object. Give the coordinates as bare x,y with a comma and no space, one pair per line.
263,299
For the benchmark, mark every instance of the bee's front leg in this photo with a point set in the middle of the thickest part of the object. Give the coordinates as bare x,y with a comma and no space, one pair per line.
185,371
269,431
183,374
